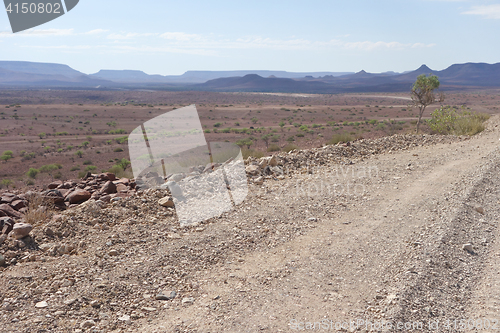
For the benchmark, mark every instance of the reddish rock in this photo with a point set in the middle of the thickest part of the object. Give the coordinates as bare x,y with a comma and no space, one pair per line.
21,230
2,214
108,188
103,177
54,184
54,195
124,181
111,176
6,225
66,185
106,198
18,204
7,199
123,195
121,188
9,211
64,192
78,196
95,195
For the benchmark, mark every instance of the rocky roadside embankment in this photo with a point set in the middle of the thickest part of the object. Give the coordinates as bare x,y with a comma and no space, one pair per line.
106,225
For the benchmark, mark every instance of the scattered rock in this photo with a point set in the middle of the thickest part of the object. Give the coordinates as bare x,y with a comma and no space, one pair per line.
166,202
166,295
113,253
9,211
6,224
41,305
78,196
87,324
55,196
259,180
468,247
253,170
2,260
187,300
479,209
108,188
21,230
148,309
55,184
124,318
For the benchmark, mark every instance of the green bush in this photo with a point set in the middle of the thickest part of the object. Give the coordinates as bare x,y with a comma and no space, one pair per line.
90,168
87,162
122,139
118,150
50,168
74,168
449,120
32,172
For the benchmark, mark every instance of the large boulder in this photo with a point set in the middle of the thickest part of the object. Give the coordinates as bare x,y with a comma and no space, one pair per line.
253,170
55,196
108,188
55,184
6,224
18,204
8,198
21,230
9,211
121,188
78,196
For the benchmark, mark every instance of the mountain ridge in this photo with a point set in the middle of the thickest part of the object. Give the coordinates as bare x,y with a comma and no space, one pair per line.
21,74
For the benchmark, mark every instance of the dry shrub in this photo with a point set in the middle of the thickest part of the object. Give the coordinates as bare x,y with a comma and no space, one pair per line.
289,147
273,148
246,153
40,209
342,137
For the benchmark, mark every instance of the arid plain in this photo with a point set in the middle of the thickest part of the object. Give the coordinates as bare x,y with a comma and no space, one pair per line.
86,130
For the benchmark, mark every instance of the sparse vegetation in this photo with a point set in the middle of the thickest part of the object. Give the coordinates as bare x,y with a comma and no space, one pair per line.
449,120
341,137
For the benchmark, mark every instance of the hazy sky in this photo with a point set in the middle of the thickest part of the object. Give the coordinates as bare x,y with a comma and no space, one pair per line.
171,37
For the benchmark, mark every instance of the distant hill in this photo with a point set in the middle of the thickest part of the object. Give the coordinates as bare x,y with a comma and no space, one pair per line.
40,68
133,76
20,74
15,74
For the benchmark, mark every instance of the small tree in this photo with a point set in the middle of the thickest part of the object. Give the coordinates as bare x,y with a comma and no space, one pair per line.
282,124
123,163
266,138
422,94
244,142
79,153
6,182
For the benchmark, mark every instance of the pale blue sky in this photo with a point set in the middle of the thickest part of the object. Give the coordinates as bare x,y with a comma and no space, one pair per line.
171,37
